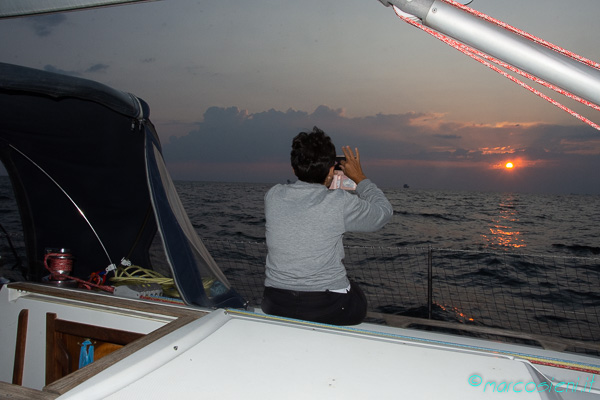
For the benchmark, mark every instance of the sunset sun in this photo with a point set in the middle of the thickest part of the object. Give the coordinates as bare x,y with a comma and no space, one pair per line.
509,165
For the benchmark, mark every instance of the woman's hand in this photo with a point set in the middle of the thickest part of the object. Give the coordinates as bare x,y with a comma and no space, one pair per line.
351,166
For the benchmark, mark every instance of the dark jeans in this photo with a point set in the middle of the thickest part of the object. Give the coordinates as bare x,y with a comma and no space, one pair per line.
325,307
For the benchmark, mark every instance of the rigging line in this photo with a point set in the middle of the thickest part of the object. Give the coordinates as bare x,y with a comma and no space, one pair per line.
140,232
534,39
67,195
525,74
465,48
524,34
471,52
18,262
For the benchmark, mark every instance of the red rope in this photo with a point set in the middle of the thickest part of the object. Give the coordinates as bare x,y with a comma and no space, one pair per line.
482,57
60,266
563,366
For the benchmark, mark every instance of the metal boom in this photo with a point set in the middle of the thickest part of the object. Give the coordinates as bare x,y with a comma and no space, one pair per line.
560,70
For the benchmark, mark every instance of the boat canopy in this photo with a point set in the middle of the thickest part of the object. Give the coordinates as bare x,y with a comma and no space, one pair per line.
87,170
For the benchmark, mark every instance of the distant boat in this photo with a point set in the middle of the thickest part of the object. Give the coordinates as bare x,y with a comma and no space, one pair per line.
406,186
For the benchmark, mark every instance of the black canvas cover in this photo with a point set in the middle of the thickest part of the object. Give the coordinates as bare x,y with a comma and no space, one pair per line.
88,175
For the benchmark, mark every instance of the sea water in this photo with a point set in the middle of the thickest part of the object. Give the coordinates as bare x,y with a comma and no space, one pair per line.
483,271
523,262
551,224
533,223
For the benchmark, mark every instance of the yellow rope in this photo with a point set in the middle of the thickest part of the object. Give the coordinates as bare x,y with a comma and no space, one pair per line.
136,275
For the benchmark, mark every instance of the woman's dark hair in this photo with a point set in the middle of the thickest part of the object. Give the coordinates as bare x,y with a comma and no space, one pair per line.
313,154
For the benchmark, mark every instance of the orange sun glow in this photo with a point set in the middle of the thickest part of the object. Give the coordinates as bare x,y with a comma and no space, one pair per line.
509,165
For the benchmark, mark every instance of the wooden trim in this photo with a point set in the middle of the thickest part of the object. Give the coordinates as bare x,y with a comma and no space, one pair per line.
19,364
50,348
16,392
105,299
59,360
181,314
103,334
70,381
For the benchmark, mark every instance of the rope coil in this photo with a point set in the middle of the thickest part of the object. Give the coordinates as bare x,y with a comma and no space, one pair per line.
59,264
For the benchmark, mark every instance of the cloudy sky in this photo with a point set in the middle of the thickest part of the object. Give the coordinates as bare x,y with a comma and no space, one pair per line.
230,82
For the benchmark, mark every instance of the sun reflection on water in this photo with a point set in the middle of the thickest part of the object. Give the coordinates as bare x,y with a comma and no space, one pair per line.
502,231
459,315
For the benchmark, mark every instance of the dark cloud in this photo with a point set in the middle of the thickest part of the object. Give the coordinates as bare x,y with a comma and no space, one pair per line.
449,137
97,68
44,25
421,149
52,68
92,69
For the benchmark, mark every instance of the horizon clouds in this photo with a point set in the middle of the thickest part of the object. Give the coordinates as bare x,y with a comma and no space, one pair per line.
422,150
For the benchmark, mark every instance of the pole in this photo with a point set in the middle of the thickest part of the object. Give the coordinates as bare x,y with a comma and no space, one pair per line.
429,283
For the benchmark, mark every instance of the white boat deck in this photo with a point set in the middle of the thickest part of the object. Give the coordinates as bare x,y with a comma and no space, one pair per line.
236,354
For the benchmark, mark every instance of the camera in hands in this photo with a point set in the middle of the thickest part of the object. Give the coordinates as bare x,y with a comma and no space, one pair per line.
341,181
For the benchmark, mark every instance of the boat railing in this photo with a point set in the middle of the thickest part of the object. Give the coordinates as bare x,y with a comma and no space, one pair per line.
547,300
551,300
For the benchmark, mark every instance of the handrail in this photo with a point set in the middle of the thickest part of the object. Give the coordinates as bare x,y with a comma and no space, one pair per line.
546,342
462,288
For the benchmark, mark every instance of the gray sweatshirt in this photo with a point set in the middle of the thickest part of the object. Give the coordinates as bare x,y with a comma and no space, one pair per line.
305,223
